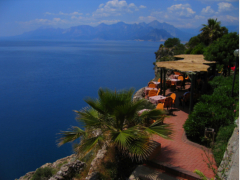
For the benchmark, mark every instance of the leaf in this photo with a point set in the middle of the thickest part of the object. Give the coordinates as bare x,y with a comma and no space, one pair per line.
69,136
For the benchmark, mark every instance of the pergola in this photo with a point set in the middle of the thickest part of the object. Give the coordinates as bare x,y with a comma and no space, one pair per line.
190,64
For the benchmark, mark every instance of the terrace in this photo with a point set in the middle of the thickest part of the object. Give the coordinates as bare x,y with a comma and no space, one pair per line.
179,157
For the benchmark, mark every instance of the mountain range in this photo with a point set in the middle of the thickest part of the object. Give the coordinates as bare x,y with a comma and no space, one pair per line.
153,31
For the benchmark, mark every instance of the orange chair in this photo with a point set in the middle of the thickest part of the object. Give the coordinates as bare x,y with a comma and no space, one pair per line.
168,102
158,92
160,106
173,96
159,80
152,85
180,78
152,93
177,73
187,78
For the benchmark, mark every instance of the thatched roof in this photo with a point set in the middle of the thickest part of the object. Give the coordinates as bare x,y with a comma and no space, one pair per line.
194,58
191,63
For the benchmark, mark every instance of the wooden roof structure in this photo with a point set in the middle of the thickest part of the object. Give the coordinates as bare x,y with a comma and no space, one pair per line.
190,63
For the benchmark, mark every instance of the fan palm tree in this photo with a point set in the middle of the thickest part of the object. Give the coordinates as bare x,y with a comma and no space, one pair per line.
212,31
113,120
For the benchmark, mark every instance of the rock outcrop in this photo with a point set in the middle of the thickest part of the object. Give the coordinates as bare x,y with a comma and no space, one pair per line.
68,171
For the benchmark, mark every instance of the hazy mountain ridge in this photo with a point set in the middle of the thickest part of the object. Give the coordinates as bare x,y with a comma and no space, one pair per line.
153,31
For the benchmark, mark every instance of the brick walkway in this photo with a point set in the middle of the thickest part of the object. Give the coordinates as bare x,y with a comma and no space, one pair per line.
179,152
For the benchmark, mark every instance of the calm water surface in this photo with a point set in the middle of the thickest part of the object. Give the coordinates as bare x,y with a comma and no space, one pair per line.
42,82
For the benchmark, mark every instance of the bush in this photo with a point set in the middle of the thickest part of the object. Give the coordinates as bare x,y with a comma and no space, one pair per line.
43,173
199,49
212,111
220,145
171,42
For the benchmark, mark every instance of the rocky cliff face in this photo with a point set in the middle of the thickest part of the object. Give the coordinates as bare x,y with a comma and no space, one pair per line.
69,166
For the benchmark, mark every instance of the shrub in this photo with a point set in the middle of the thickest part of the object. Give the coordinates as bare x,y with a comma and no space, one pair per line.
43,173
220,145
212,111
199,49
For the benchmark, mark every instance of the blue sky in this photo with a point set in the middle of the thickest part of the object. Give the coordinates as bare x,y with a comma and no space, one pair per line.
18,16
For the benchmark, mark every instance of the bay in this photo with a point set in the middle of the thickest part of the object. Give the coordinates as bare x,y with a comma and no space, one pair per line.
42,82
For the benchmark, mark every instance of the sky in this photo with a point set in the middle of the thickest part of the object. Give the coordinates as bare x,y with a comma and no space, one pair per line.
19,16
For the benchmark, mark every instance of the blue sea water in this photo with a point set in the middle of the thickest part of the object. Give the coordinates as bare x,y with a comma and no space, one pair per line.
42,82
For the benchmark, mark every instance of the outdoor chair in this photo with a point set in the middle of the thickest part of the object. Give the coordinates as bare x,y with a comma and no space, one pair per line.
152,85
152,93
173,96
177,73
168,102
180,78
159,80
160,106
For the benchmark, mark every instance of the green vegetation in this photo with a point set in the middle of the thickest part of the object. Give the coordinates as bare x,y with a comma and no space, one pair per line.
113,120
171,42
212,31
42,173
221,143
214,111
222,50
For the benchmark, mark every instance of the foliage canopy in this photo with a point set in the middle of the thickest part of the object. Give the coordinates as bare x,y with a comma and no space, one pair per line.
113,120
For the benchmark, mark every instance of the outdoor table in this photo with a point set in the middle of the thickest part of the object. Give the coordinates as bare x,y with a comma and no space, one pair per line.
157,99
175,81
147,89
155,82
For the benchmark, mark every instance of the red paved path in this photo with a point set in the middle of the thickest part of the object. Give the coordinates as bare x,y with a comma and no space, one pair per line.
179,152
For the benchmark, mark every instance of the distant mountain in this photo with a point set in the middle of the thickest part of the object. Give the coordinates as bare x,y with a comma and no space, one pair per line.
153,31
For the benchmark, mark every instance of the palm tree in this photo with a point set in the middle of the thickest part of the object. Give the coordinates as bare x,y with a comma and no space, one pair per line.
212,31
113,120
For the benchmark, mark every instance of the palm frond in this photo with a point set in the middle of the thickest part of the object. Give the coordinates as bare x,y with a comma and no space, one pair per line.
71,135
155,113
163,130
123,138
94,103
90,117
88,144
140,148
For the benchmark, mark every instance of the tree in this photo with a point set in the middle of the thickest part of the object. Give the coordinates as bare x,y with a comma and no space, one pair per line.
113,120
212,31
222,50
171,42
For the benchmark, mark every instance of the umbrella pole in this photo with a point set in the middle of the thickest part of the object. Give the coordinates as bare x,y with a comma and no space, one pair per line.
164,81
192,91
161,82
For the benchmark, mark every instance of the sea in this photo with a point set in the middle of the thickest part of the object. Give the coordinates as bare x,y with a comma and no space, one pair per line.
43,82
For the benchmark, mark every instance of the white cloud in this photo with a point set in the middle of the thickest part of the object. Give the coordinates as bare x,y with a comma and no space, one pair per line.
115,8
147,19
109,21
199,17
232,19
207,10
224,7
142,6
183,10
64,14
54,21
